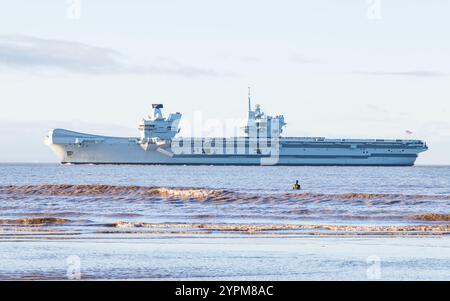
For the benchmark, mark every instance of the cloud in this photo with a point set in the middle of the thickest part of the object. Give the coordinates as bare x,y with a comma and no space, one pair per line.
26,52
250,59
436,129
303,59
417,73
376,109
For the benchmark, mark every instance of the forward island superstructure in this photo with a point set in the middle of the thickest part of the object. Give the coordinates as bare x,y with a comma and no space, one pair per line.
262,144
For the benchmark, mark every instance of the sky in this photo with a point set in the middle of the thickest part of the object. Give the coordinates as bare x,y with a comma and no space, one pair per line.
337,69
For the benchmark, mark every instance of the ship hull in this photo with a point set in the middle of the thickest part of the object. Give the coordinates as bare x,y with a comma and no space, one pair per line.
78,148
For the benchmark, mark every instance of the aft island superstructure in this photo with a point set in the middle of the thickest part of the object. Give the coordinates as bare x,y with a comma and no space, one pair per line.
261,144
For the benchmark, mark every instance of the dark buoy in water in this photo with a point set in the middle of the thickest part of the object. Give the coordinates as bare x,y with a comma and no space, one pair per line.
296,186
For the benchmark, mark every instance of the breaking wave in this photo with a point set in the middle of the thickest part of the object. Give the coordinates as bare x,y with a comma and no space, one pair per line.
249,228
204,194
90,190
45,221
431,217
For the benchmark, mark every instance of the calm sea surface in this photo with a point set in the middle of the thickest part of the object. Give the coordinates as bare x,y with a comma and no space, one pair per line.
224,222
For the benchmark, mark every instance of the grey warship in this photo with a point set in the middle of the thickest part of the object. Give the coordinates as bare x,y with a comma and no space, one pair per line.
261,144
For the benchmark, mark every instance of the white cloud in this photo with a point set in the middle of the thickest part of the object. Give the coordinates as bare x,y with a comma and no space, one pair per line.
27,52
417,73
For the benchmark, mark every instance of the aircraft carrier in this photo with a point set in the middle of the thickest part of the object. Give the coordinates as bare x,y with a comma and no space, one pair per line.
261,144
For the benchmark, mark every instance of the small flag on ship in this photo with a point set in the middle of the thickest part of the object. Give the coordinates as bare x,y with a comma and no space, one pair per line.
408,132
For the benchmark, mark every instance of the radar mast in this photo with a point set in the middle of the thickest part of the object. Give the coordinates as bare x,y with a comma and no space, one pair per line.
249,100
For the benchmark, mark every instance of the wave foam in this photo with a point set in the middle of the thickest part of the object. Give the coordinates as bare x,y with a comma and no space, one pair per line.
443,229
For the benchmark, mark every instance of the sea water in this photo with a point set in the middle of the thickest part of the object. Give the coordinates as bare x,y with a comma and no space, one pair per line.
224,222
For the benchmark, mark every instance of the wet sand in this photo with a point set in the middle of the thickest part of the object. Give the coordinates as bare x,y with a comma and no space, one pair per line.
227,258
